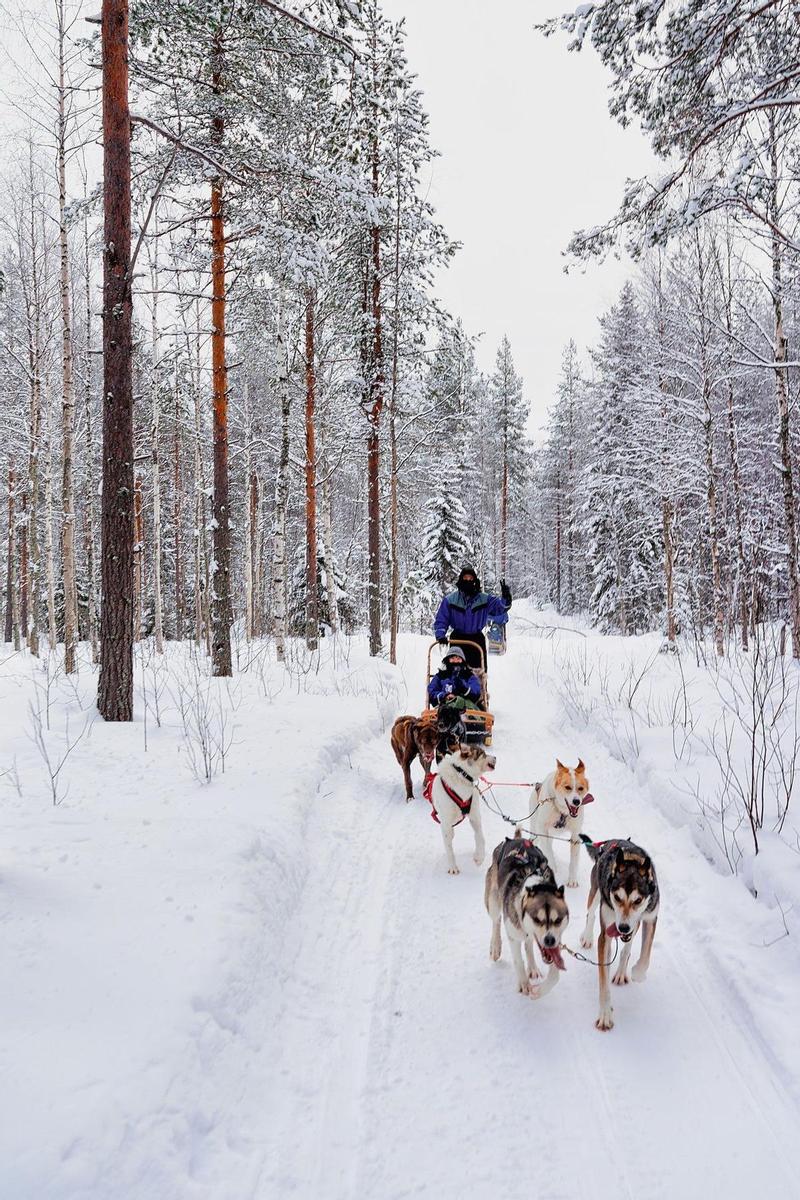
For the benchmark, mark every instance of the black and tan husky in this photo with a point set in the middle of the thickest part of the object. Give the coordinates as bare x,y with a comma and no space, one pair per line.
521,891
625,889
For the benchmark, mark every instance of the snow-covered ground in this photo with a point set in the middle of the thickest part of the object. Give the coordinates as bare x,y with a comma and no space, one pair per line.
267,985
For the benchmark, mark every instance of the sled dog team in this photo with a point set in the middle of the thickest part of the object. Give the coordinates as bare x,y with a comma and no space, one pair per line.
522,893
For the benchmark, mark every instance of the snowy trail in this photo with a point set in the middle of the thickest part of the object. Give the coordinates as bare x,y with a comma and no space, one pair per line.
402,1062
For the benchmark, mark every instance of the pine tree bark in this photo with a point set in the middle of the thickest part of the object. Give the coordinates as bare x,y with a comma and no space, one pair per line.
68,387
115,688
312,557
221,664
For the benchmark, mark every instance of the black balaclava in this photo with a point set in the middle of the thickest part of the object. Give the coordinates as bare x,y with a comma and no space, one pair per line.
469,588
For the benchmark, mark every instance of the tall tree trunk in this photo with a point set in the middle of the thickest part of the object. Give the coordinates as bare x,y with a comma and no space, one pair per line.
281,500
221,663
115,688
312,559
12,608
68,387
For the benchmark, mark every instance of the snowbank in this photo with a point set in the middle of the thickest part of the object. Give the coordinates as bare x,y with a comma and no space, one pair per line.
143,912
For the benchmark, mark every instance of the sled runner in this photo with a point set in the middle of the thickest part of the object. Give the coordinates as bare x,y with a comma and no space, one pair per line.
496,638
478,722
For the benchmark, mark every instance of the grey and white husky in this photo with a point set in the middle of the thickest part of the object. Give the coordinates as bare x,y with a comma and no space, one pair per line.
521,891
625,889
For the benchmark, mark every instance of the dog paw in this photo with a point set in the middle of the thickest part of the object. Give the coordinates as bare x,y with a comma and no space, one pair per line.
524,988
621,978
572,883
605,1021
477,859
494,954
453,871
639,973
535,991
586,942
534,973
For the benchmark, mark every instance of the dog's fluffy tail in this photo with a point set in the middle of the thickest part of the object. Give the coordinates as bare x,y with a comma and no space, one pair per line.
590,846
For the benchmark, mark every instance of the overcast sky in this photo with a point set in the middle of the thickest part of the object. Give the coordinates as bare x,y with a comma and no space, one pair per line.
528,154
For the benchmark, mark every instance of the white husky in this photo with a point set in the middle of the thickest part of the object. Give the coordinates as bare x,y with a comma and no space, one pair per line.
454,795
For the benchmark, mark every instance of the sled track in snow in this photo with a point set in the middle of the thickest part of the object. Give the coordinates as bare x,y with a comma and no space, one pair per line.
405,1064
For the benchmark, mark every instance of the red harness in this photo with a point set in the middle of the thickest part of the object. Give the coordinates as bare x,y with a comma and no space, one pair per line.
427,791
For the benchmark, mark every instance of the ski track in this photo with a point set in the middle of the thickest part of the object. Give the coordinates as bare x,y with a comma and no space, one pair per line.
403,1063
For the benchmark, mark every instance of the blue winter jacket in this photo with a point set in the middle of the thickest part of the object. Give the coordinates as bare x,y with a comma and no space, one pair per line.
460,682
468,615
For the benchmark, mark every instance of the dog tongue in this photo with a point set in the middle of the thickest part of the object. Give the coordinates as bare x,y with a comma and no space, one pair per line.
612,931
554,956
588,798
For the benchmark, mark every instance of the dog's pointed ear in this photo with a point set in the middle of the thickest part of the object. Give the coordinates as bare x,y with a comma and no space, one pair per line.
559,765
619,860
580,767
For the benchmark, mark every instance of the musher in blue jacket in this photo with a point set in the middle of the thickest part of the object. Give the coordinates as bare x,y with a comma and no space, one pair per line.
454,683
467,611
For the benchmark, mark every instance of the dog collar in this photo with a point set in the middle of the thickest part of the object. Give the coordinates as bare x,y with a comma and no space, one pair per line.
466,774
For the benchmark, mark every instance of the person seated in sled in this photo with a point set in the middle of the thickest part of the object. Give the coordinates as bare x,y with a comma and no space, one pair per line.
467,611
454,684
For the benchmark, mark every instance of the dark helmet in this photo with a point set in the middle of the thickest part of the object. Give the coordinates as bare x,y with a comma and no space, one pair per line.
469,588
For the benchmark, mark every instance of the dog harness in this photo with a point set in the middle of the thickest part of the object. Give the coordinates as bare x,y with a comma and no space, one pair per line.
460,803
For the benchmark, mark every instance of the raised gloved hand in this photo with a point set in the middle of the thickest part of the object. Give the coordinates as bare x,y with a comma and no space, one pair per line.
505,592
442,641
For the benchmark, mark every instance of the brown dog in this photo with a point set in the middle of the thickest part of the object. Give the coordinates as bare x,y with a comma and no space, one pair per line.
415,737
